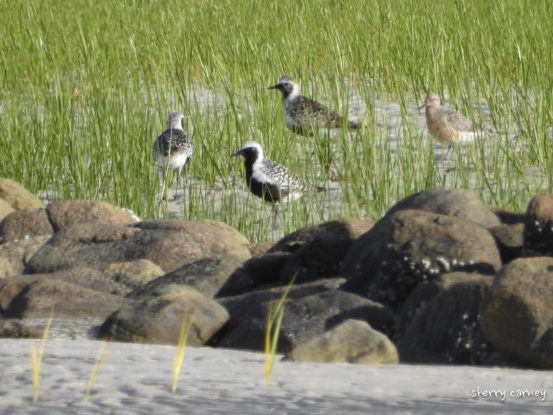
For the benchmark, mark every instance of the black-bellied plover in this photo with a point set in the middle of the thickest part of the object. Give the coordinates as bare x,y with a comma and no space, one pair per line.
303,114
269,180
446,124
172,149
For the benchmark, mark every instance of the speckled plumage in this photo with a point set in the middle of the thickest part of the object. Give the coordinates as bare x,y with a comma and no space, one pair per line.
303,114
173,149
446,124
269,180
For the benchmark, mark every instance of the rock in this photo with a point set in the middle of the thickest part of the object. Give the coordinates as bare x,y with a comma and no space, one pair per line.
310,309
25,223
450,202
206,275
507,217
538,228
517,314
15,255
447,329
509,240
70,212
352,341
132,275
346,228
158,318
308,254
34,296
5,209
170,244
17,196
260,248
410,246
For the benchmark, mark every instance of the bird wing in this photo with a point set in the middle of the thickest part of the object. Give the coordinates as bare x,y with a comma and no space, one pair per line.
279,175
312,108
455,119
173,141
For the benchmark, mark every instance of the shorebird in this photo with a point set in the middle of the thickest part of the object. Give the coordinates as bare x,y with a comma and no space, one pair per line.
269,180
172,149
303,114
446,124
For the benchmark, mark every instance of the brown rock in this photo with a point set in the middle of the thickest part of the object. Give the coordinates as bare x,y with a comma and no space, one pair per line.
158,318
70,212
5,209
538,228
510,240
17,196
352,341
507,217
15,255
409,247
25,223
517,315
170,244
451,202
132,275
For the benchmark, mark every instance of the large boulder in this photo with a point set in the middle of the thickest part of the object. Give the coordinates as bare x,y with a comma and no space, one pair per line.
157,318
352,341
446,329
170,244
310,309
538,228
408,247
128,276
25,223
450,202
17,196
517,314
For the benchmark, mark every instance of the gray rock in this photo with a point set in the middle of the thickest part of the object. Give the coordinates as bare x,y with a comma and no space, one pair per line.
517,314
352,341
450,202
447,329
132,275
410,246
158,317
170,244
310,310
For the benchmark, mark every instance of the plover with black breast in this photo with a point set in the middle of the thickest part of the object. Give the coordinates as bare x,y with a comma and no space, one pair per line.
269,180
445,124
173,149
303,114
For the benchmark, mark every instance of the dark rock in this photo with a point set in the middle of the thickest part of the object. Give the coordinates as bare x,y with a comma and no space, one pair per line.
507,217
17,196
538,228
310,309
206,275
510,240
517,315
352,341
24,224
158,317
170,244
15,255
450,202
408,247
132,275
447,329
71,212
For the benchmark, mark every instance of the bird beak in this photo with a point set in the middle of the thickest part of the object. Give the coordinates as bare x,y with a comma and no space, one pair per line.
238,153
277,86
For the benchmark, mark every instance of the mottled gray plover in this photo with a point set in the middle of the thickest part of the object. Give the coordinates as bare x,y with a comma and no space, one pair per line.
172,149
446,124
269,180
303,114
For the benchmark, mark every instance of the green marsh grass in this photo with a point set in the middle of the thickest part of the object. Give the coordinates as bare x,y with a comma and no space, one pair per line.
86,88
181,347
36,357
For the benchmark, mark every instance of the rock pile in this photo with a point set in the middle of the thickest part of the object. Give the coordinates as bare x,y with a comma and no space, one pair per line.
441,278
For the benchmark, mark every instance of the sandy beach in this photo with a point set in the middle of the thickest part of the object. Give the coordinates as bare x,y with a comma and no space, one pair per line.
136,379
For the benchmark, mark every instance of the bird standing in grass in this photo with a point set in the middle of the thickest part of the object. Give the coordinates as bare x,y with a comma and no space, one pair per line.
173,149
302,114
269,180
445,124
